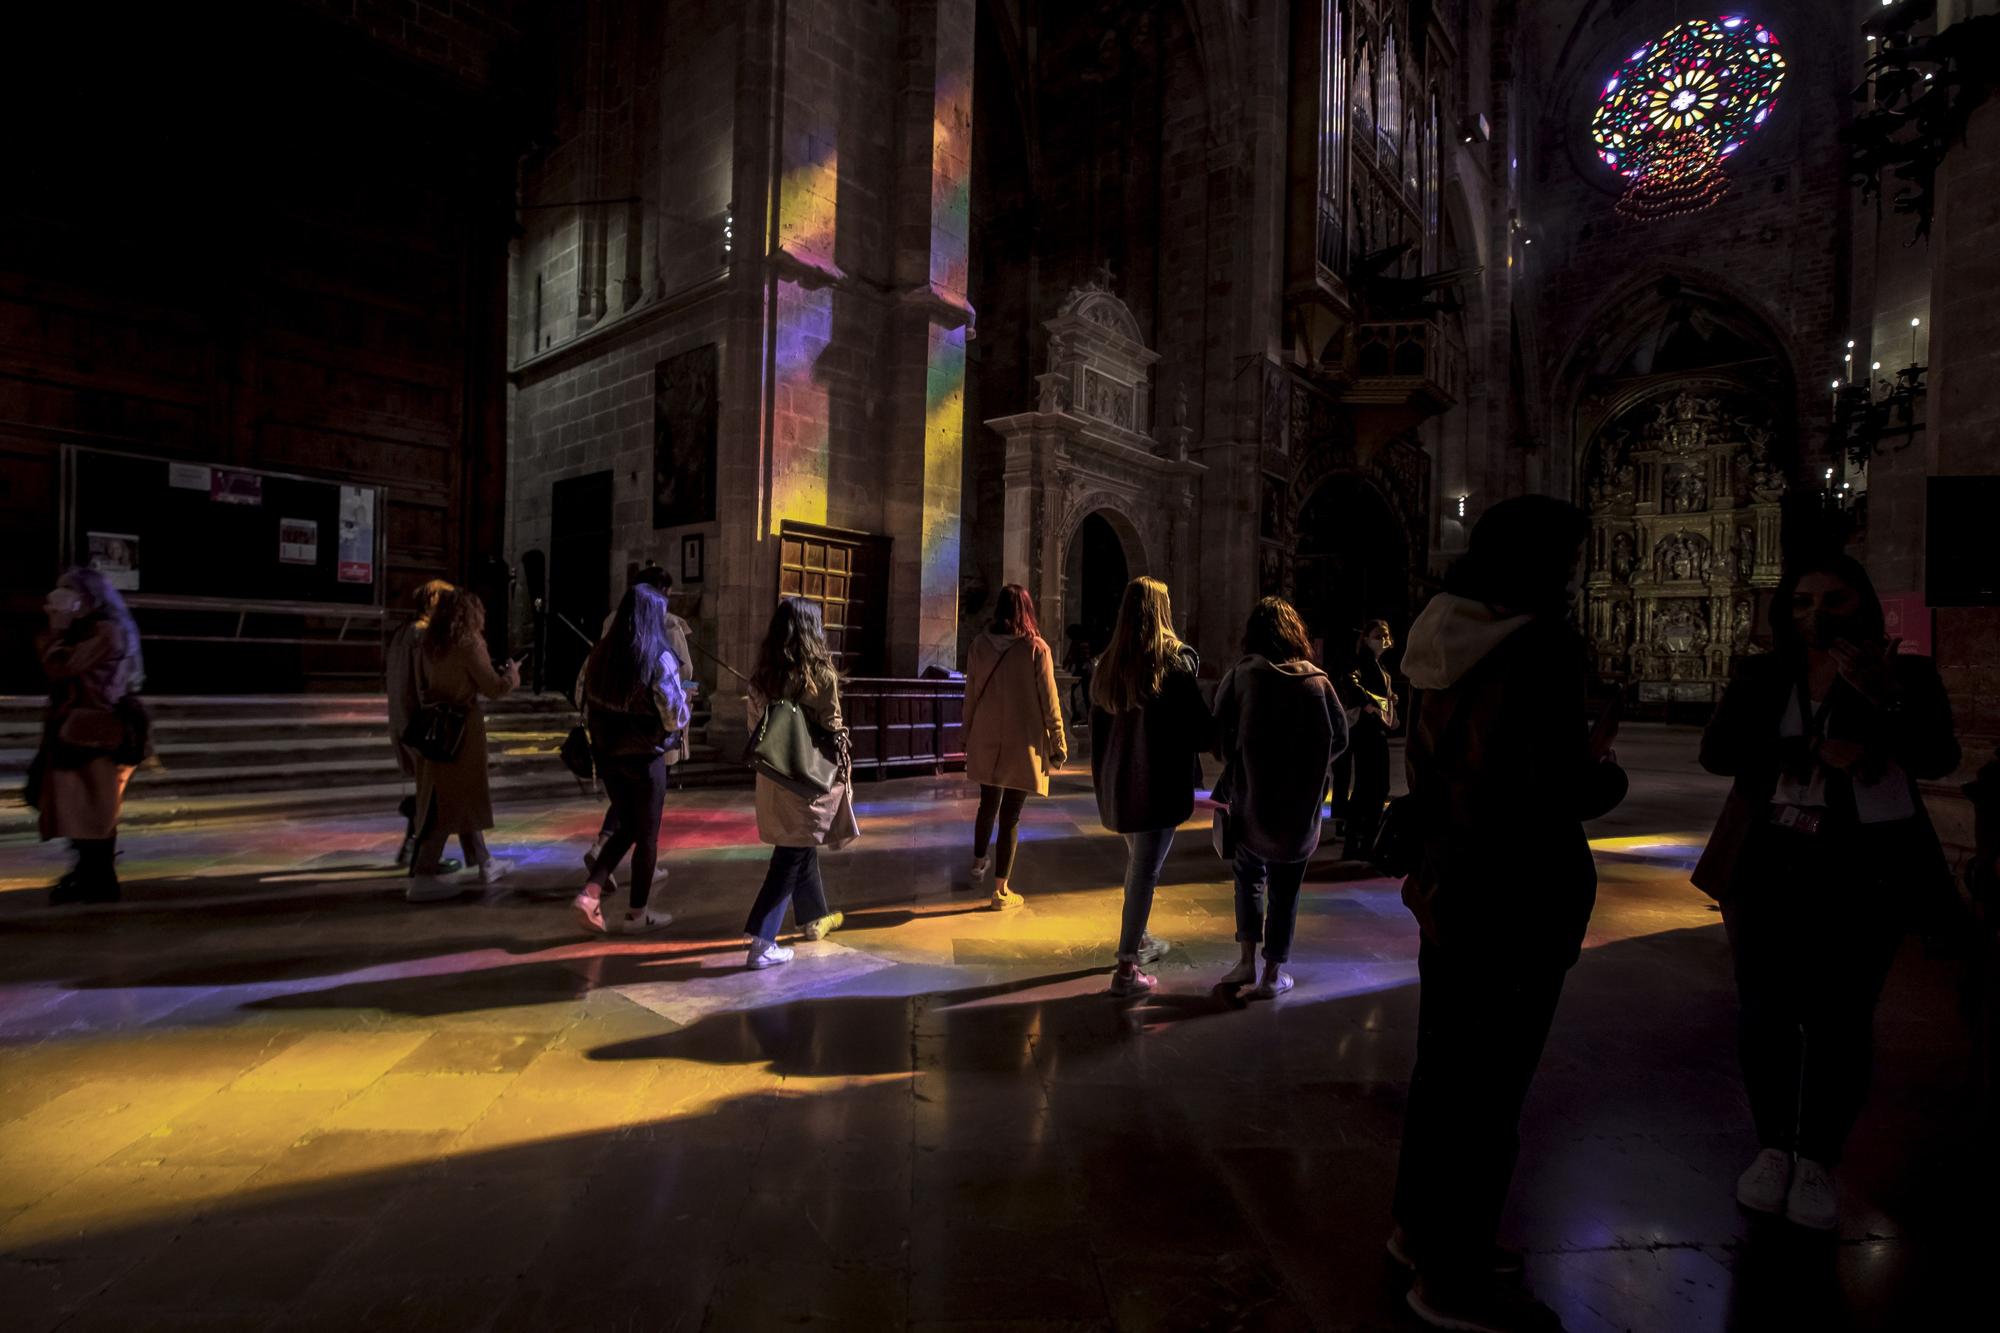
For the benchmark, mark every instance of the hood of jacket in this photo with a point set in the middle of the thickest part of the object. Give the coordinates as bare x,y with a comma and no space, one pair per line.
1000,643
1299,669
1452,636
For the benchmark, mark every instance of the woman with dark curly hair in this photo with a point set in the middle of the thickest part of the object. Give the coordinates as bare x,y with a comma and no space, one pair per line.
452,795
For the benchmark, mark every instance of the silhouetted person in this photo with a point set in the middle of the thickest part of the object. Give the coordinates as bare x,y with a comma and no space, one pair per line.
400,684
1279,724
1148,729
1013,728
1077,657
1822,860
453,796
1502,774
1370,698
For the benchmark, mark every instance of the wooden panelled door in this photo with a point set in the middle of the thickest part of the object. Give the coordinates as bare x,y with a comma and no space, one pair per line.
846,574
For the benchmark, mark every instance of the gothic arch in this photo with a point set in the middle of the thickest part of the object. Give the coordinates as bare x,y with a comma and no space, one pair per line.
1110,506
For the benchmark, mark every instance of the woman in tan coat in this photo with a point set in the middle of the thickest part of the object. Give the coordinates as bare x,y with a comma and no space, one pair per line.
452,796
794,664
1014,737
91,657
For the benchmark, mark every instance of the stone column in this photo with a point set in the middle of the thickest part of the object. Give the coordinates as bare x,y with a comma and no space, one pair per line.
930,326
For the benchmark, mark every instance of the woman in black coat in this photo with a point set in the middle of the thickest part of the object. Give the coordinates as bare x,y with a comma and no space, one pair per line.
1148,729
1369,694
1822,860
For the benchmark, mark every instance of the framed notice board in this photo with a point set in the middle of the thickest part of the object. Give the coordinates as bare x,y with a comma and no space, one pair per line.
169,532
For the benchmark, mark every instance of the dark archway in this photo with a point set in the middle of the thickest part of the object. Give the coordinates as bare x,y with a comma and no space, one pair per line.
1099,570
1352,562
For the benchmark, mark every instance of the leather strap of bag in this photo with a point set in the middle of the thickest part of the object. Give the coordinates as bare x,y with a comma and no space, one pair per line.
980,697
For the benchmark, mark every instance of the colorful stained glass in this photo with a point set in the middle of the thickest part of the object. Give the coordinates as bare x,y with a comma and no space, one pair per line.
1681,104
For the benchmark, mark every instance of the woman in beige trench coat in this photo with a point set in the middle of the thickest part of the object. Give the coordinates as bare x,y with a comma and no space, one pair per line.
91,657
452,797
1014,737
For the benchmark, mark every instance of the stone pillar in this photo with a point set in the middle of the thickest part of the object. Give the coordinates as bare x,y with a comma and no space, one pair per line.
931,225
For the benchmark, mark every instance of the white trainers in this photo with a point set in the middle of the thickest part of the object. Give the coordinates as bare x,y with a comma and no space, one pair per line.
1242,974
431,889
645,921
979,864
493,870
1005,899
821,927
1151,950
767,953
589,909
1134,982
1275,983
1762,1188
1812,1202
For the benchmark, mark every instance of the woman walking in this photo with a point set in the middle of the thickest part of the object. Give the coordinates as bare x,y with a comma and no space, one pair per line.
1369,694
637,711
401,685
1280,724
91,657
1500,756
453,671
1148,729
1014,737
794,666
1822,860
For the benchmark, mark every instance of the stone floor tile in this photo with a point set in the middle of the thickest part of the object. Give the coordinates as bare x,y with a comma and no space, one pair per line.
340,1061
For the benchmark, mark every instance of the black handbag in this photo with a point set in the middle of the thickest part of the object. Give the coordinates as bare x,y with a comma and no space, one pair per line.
575,752
437,732
136,747
1222,828
794,751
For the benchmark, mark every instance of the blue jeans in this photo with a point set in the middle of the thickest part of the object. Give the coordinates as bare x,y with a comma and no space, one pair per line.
793,878
1145,853
1252,925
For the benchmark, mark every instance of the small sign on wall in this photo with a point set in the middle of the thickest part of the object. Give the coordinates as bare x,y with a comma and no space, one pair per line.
1905,617
357,534
693,552
298,541
235,488
116,556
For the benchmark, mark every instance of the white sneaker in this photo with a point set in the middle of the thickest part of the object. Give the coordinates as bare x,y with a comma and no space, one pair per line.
1151,950
589,909
1812,1202
767,953
408,851
494,870
1134,982
1242,974
979,865
820,927
645,921
1762,1188
1275,983
1005,899
431,889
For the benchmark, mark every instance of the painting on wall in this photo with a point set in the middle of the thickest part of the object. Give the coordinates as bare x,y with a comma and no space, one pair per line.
684,428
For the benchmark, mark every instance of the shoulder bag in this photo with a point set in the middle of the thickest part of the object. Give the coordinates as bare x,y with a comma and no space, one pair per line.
794,751
437,732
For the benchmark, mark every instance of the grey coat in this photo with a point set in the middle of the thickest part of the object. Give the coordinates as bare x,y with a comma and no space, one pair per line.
1280,726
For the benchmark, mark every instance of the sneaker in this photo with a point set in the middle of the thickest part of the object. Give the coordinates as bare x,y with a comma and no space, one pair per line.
1005,899
589,909
1241,975
431,889
820,927
1482,1306
449,865
1506,1262
979,864
1134,982
1762,1188
1812,1202
767,953
1152,950
408,851
495,870
1275,983
645,921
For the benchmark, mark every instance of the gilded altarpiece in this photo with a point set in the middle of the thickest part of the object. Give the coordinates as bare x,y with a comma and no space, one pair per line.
1684,493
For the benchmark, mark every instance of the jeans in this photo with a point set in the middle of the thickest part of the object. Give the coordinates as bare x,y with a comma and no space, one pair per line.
1252,924
1005,802
792,878
1813,942
1145,853
431,840
1481,1026
1368,748
638,790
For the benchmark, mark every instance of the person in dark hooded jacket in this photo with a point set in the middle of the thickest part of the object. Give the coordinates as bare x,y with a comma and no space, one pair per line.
1280,725
1500,765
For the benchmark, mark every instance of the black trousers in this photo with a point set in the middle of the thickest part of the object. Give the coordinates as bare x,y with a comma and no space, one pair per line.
1368,752
638,790
792,877
1813,940
1005,803
1482,1020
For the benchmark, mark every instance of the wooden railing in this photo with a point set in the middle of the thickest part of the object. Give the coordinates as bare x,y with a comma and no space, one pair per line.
897,724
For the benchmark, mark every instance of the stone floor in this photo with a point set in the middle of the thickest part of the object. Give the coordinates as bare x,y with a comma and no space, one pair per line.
265,1092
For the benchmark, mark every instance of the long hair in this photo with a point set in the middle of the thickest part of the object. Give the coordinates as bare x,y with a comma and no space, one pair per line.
103,604
1014,612
1521,554
1274,631
794,656
1362,652
424,601
625,664
460,618
1143,649
1868,620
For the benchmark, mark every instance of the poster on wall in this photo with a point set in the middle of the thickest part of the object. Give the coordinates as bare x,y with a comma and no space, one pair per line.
235,488
692,553
298,541
684,427
189,477
116,556
357,534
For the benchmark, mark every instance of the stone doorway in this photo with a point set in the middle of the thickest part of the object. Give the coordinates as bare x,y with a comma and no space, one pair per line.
1352,563
1099,568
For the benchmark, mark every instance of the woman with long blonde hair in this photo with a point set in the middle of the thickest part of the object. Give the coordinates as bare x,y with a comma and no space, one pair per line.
1148,728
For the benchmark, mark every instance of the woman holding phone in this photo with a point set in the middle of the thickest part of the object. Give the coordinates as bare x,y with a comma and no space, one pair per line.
452,795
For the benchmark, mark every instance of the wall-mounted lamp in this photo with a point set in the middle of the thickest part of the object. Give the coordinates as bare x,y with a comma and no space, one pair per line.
1474,128
1461,505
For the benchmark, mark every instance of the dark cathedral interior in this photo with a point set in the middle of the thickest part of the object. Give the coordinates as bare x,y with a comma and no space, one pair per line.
1346,652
